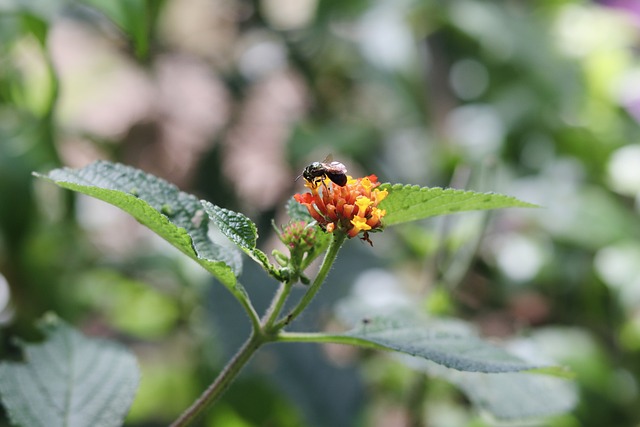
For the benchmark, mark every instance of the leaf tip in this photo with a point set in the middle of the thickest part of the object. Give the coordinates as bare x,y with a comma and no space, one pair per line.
554,371
49,319
40,175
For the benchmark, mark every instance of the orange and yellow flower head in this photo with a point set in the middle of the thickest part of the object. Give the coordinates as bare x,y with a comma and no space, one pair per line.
352,208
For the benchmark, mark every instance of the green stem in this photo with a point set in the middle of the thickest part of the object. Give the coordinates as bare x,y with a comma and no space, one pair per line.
48,119
329,258
228,374
416,401
318,337
276,305
251,312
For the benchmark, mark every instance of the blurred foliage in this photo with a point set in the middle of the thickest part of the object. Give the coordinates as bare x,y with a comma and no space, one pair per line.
231,99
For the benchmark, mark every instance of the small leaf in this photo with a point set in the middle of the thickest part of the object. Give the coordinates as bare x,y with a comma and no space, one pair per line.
411,202
239,229
236,226
69,380
441,342
176,216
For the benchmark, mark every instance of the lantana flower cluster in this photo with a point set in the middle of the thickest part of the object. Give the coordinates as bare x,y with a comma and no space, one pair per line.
352,208
302,242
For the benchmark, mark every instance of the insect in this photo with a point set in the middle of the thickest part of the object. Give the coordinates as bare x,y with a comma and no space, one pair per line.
317,171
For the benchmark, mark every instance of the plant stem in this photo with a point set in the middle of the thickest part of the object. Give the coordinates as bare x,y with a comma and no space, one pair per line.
327,262
276,305
416,401
319,337
228,374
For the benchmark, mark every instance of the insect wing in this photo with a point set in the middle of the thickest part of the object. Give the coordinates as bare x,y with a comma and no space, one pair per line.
328,159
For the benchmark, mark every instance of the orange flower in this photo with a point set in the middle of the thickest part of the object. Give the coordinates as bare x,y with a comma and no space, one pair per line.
351,208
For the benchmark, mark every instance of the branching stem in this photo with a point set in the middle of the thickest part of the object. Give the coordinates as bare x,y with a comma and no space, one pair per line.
264,331
276,305
338,239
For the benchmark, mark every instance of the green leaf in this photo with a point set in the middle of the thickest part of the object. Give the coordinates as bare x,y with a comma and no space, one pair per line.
236,226
239,229
445,343
69,380
511,396
411,202
451,349
176,216
400,324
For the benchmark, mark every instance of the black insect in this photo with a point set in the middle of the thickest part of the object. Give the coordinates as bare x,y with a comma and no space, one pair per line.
317,171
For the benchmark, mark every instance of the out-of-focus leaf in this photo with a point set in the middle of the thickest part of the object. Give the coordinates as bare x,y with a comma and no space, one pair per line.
451,349
129,305
38,27
134,17
43,9
509,396
176,216
411,202
593,209
164,393
69,380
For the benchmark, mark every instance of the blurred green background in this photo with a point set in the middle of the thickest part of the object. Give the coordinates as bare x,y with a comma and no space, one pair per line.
230,99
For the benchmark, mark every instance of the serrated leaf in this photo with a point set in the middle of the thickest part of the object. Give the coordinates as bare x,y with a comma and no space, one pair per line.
439,342
236,226
411,202
69,380
239,229
176,216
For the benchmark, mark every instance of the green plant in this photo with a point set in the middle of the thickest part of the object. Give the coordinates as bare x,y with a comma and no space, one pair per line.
321,221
